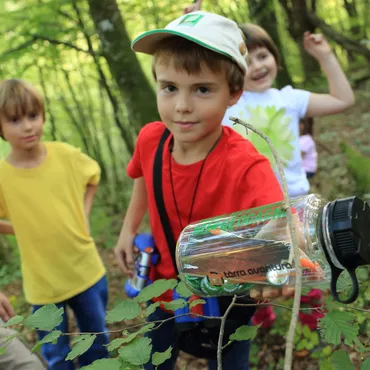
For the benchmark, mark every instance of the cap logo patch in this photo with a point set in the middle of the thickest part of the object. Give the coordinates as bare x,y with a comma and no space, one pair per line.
191,19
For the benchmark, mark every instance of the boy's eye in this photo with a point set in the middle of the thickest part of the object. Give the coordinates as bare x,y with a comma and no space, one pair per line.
203,89
32,115
14,119
169,88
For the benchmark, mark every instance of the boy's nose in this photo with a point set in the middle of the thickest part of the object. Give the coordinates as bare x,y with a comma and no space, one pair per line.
183,104
27,125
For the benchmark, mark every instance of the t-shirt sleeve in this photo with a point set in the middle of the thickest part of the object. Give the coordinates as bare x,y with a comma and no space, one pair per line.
134,167
87,167
297,98
259,185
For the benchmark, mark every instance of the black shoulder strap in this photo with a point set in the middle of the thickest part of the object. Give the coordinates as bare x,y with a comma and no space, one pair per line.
158,194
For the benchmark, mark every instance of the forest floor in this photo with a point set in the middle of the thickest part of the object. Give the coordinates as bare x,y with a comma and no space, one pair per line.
332,180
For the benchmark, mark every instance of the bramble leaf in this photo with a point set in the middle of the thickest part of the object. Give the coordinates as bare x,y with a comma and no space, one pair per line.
244,332
13,321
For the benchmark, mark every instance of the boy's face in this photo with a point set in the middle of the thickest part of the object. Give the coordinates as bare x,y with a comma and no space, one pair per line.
23,132
262,70
192,106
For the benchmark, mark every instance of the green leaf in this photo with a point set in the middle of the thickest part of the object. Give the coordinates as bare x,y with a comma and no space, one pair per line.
340,361
244,332
196,302
335,324
315,338
116,343
156,289
306,332
137,352
366,365
46,318
49,338
104,364
13,321
2,350
302,345
84,342
160,357
183,290
176,304
125,310
151,308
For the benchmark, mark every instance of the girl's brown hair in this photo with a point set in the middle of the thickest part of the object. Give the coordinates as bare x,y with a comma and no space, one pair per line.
256,37
18,99
190,56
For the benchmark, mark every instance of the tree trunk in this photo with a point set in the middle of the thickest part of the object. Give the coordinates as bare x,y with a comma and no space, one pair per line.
125,68
262,13
299,23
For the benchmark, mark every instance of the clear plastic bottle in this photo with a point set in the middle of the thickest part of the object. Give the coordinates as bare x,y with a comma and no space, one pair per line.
230,254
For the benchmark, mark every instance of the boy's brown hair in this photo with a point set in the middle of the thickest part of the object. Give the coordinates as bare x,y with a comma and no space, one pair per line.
18,99
257,37
190,56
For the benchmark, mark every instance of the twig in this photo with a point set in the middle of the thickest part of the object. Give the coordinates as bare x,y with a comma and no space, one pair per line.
297,293
221,335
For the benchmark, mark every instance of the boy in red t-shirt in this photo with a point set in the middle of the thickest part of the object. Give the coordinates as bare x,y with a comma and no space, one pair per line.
199,63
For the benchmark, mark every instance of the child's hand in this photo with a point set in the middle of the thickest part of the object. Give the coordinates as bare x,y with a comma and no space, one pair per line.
316,45
269,292
124,252
6,309
192,8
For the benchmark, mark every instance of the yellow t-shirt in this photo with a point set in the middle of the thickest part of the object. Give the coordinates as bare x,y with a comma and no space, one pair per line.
45,205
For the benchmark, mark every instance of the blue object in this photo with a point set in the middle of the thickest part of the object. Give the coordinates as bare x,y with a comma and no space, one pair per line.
145,260
89,309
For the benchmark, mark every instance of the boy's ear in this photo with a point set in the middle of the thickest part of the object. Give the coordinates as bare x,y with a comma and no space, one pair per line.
234,97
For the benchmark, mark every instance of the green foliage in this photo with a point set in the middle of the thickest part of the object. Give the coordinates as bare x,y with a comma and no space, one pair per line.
117,343
366,365
82,343
13,321
137,352
337,325
160,357
49,338
46,318
156,289
176,304
104,364
244,332
340,361
183,290
126,310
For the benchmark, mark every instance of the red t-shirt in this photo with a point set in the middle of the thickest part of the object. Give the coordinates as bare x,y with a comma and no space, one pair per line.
235,177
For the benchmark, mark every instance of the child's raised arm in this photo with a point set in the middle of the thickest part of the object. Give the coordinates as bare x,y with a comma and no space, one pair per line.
134,215
340,95
6,227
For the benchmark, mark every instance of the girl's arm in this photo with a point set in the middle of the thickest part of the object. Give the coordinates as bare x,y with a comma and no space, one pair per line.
89,198
340,95
6,227
134,215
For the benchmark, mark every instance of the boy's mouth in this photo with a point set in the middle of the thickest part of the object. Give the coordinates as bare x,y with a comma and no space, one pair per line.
29,138
185,124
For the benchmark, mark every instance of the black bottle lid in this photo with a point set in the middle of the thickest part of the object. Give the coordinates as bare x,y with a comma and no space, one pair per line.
348,229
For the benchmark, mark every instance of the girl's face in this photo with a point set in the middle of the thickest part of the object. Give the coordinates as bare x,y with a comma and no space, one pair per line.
262,70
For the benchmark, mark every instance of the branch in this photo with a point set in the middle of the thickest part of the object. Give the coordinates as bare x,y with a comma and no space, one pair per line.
18,48
297,291
57,42
340,39
221,335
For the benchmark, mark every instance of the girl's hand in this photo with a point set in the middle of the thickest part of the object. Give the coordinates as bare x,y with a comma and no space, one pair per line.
6,309
316,45
192,8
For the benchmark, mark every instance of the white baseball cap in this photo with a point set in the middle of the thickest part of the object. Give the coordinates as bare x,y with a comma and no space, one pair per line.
210,30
